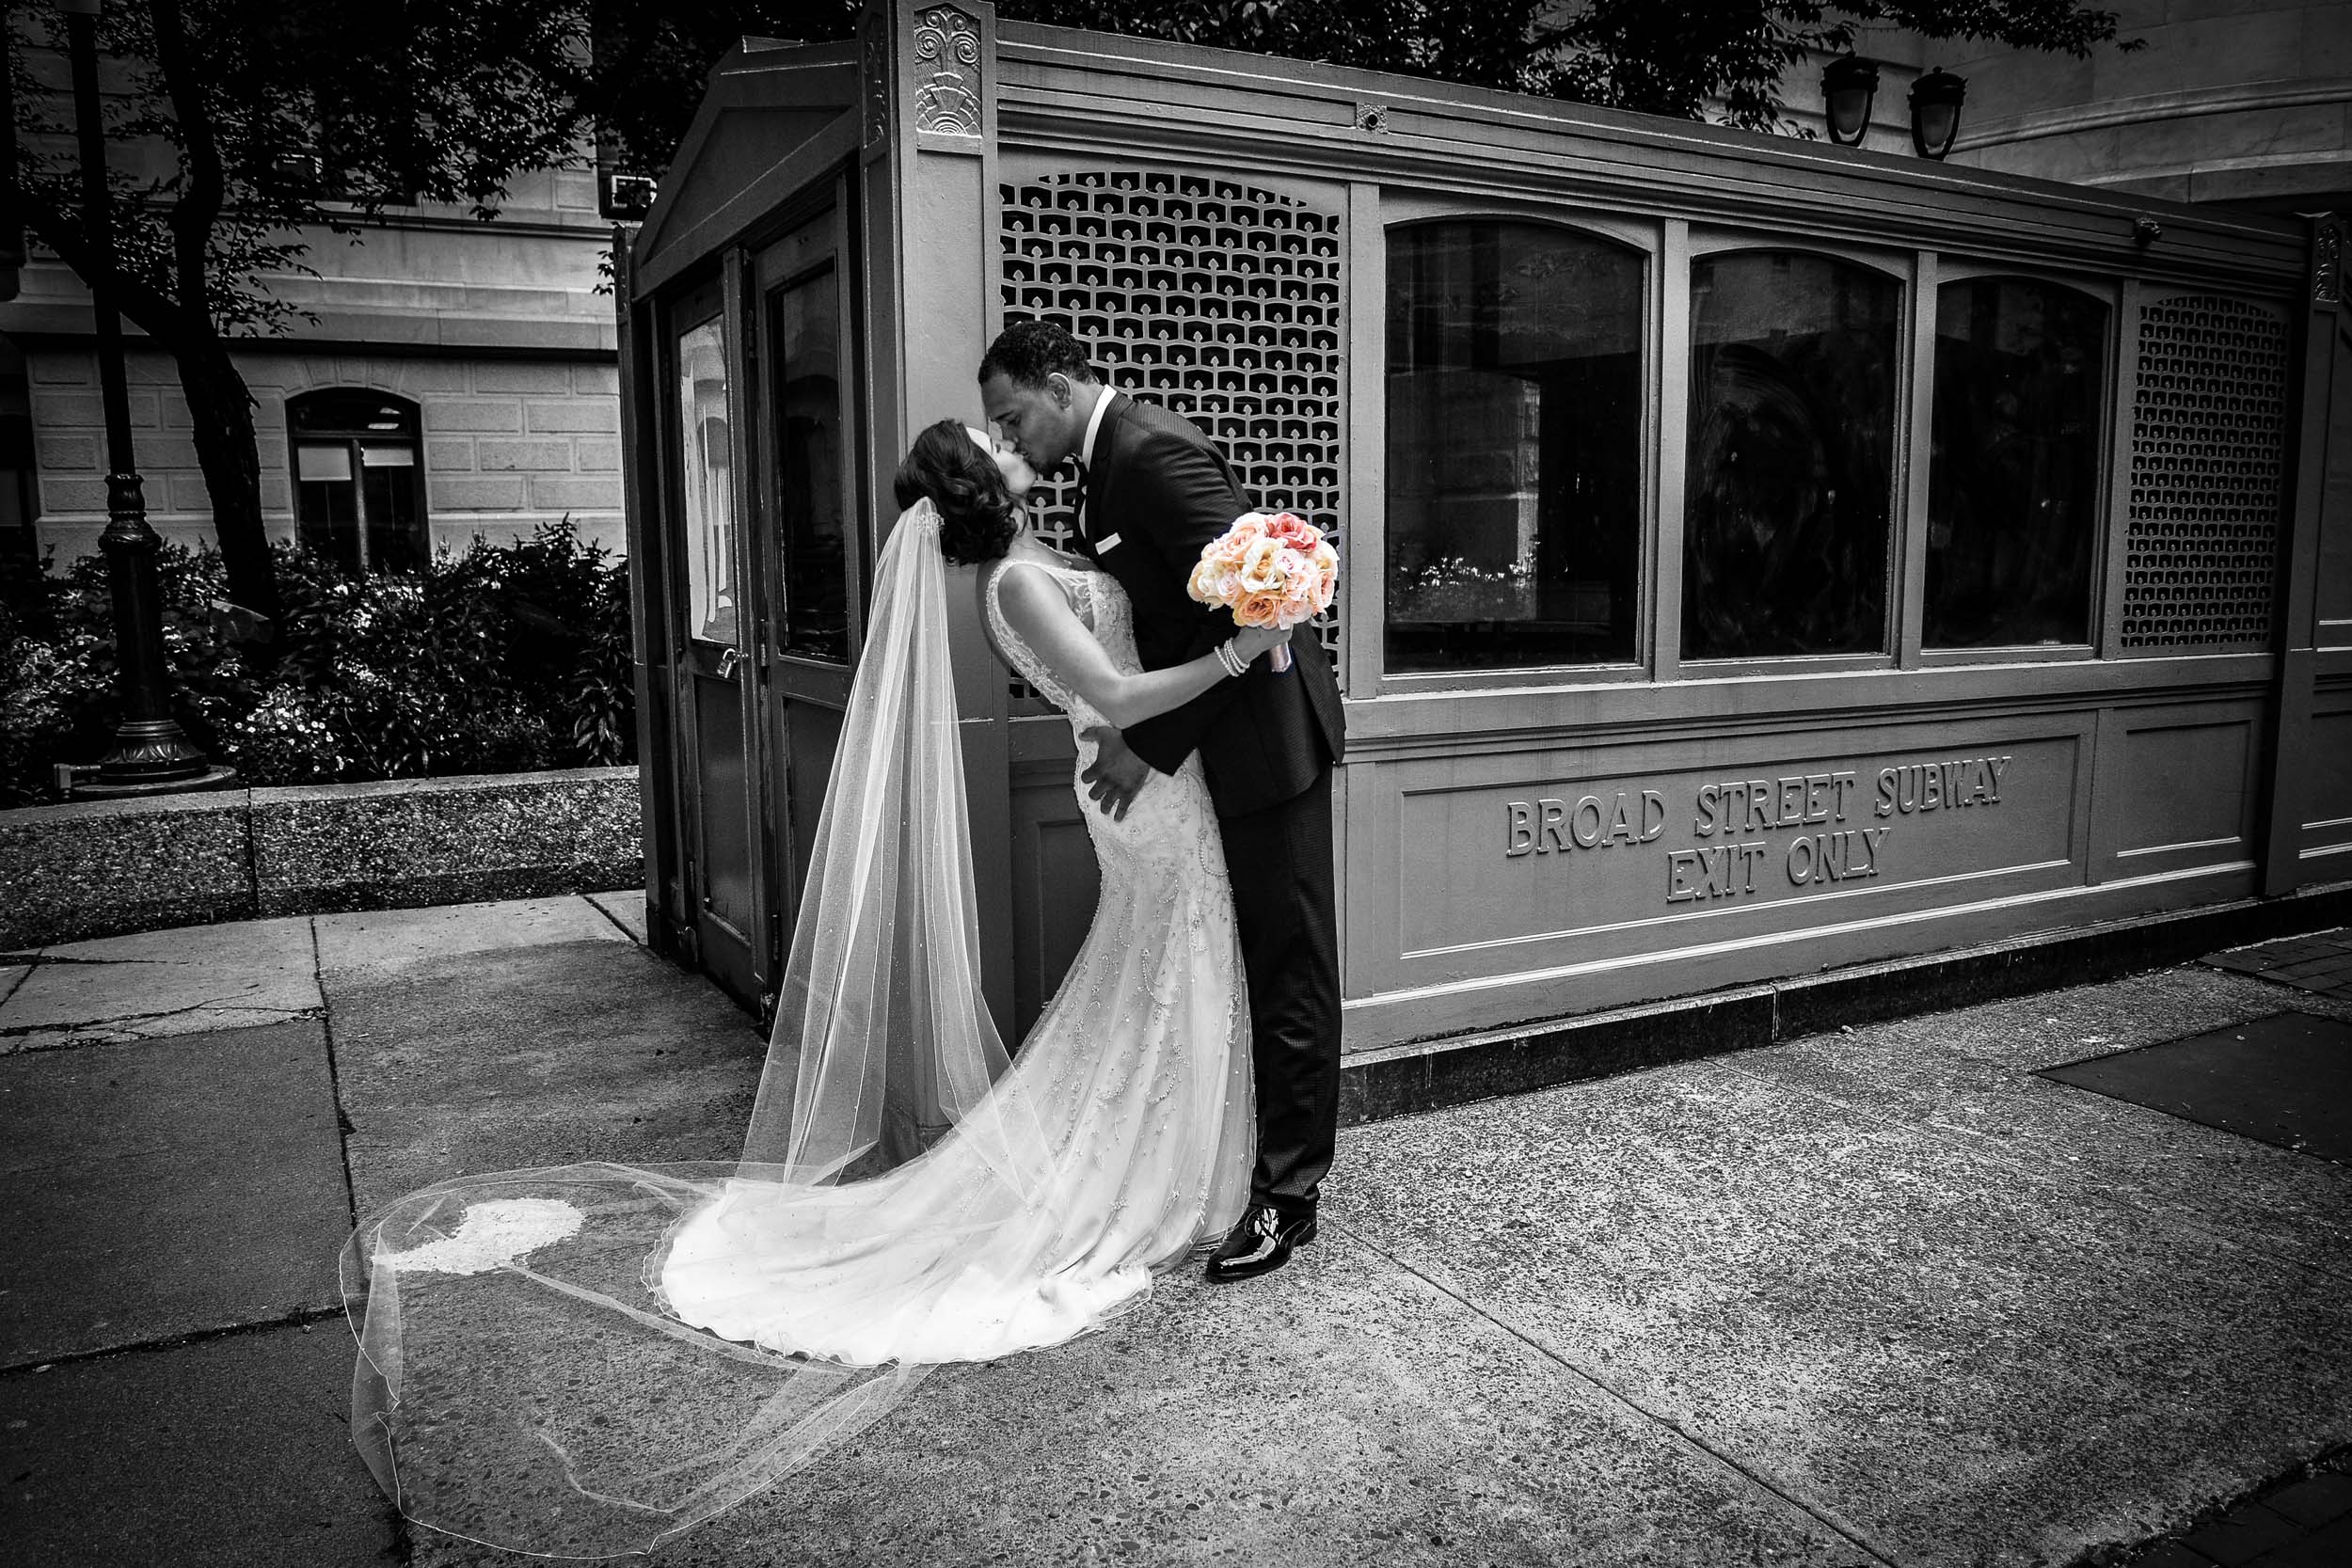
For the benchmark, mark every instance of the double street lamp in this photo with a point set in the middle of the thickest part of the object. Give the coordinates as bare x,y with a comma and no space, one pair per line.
1848,84
151,754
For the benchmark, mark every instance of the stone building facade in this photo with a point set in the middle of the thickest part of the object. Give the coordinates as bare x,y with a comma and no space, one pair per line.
481,355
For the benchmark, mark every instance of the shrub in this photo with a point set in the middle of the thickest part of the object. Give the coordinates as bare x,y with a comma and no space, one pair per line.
504,658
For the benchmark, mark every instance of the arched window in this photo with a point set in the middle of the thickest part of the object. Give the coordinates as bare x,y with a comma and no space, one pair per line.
1790,480
359,480
2013,482
1514,442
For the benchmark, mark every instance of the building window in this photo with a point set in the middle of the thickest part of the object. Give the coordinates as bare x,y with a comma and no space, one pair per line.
358,485
1515,439
1793,376
2013,474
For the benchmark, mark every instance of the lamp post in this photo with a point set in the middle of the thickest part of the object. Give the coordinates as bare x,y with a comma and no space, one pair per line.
1848,86
1935,99
152,755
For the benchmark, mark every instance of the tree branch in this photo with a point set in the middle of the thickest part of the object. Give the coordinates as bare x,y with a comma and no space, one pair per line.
149,307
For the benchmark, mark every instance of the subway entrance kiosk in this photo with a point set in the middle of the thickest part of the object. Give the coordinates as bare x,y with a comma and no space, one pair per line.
1760,558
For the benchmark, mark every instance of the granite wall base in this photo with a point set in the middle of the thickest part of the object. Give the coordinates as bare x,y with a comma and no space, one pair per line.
109,868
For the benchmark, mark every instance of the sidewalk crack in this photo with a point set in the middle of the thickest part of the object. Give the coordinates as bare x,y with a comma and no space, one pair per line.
216,1005
618,924
334,1075
299,1317
1851,1534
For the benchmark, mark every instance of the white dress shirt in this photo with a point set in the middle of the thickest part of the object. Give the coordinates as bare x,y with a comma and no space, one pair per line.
1094,422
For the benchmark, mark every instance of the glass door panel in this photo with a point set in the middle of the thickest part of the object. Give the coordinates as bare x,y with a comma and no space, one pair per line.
707,502
810,457
718,601
804,319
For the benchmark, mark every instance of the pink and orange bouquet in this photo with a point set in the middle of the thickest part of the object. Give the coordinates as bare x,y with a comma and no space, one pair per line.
1270,569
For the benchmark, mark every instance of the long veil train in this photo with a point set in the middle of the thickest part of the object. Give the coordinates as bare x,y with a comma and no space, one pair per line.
519,1380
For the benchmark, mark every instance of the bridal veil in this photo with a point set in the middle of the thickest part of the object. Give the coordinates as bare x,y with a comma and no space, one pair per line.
518,1381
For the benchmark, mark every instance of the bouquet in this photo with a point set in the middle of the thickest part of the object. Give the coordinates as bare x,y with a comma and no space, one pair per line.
1270,569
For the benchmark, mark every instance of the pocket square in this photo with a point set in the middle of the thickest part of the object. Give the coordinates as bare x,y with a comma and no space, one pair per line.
1108,541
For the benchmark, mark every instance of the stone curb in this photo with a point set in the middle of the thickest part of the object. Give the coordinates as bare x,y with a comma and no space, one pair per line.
100,868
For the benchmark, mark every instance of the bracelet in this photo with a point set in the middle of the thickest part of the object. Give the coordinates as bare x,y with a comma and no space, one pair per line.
1229,657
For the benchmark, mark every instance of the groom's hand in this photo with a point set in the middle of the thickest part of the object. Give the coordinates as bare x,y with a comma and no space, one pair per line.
1117,774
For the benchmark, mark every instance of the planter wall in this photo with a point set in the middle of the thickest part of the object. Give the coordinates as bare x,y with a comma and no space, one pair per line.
106,868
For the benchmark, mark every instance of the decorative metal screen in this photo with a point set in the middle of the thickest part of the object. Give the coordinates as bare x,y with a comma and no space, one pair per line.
2208,474
1216,299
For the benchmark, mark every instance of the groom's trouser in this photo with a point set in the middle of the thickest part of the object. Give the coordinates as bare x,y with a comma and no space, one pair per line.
1279,860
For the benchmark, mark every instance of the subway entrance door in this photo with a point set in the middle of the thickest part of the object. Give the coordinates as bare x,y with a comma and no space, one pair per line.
721,834
815,550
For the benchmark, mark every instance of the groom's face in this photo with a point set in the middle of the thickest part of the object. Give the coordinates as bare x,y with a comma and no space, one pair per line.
1041,423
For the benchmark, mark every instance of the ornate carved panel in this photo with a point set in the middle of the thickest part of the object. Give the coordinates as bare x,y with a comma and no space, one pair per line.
874,66
947,63
2208,475
1215,298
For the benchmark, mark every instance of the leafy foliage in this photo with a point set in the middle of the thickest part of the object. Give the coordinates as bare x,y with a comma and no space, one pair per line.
504,658
240,132
1664,59
272,121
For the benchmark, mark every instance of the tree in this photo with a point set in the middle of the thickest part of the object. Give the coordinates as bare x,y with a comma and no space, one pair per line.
248,130
649,61
1642,54
1673,61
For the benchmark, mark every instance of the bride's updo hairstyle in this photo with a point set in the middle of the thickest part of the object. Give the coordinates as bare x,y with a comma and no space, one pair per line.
977,513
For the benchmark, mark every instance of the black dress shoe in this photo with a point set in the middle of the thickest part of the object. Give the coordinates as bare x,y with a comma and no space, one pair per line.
1261,1244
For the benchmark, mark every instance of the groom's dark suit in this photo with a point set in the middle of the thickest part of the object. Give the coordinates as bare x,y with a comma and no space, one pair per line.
1157,491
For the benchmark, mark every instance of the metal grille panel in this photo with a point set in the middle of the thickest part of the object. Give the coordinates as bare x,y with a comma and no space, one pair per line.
2208,474
1214,298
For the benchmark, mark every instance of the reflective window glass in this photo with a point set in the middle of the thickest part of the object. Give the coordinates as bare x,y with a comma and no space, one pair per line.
2013,475
358,488
708,484
1515,445
807,318
1793,378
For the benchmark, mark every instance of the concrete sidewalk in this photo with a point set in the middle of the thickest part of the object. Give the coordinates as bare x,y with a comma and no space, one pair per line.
1880,1296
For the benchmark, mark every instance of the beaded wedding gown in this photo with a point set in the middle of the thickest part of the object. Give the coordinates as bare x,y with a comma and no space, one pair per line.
1133,1137
586,1360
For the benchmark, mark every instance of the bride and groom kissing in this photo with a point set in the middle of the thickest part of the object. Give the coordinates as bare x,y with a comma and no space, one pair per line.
1154,491
909,1196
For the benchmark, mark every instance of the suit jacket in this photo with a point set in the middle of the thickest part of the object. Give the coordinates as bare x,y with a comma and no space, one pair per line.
1157,492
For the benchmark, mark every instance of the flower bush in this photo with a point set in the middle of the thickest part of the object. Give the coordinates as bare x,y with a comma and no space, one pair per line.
504,658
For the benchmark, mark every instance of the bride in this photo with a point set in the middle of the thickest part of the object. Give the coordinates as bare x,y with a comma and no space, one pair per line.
586,1360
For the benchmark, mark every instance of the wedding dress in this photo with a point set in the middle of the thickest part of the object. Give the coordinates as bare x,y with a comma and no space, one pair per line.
1133,1095
586,1360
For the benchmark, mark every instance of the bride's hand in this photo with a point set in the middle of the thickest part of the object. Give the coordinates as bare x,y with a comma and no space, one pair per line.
1250,642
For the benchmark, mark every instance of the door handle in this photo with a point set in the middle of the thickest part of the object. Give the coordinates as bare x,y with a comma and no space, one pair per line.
727,661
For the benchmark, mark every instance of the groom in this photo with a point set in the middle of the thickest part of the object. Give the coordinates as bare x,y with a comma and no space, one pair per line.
1155,490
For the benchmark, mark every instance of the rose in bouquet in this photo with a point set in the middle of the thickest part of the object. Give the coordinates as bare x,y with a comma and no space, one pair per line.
1270,569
